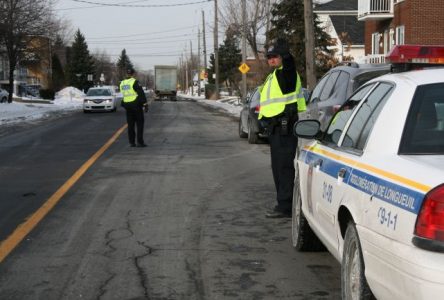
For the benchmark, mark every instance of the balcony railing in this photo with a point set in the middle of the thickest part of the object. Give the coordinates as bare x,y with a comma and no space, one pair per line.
375,9
374,59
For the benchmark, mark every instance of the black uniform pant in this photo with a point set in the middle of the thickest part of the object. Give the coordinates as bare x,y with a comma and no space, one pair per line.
283,152
135,118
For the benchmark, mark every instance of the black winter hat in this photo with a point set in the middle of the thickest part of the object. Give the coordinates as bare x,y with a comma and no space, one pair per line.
280,47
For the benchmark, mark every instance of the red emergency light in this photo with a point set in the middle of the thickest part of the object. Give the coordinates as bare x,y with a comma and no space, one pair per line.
418,54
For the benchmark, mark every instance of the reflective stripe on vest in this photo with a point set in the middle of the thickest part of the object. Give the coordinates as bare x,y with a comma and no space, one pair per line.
127,90
272,101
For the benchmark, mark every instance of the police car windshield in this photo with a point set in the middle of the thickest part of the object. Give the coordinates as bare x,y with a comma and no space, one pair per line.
99,92
424,129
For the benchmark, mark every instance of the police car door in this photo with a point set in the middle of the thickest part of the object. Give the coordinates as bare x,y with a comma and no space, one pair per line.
331,169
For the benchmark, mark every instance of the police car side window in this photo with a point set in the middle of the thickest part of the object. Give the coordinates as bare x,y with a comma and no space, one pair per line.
328,87
366,116
339,120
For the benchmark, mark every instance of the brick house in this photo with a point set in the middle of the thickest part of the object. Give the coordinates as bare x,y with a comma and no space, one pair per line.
339,20
399,22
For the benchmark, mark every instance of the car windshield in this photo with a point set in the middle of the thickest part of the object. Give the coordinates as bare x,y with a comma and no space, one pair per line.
99,92
424,128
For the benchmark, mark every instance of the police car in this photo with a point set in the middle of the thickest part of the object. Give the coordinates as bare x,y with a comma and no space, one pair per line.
371,188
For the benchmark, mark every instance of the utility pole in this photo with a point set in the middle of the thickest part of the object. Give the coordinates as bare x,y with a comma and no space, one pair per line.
204,41
309,44
216,51
198,62
244,46
186,72
191,61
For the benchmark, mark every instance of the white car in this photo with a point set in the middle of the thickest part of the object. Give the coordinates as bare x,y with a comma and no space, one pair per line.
101,99
3,95
371,188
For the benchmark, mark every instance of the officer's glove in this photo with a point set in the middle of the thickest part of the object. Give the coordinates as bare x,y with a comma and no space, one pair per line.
145,108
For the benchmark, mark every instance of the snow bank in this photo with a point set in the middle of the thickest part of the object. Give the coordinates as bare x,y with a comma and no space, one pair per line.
69,97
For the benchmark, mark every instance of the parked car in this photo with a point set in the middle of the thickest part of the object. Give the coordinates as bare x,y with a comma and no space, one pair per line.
336,86
370,188
101,99
3,95
249,125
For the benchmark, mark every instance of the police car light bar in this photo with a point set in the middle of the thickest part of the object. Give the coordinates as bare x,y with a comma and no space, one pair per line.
418,54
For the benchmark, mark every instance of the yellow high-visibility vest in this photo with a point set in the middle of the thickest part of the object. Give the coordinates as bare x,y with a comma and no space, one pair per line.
273,101
127,90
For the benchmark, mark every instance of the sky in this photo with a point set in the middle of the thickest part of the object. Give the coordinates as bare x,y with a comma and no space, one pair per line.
150,35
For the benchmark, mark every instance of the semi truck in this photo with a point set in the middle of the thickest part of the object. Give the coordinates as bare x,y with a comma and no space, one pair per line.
165,82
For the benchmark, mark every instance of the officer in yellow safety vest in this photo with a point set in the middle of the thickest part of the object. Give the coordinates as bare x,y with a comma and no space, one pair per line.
280,101
134,101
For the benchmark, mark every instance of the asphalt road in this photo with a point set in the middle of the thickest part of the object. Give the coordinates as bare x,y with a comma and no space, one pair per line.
180,219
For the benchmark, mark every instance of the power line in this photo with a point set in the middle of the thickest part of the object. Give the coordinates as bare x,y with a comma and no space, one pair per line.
139,5
139,34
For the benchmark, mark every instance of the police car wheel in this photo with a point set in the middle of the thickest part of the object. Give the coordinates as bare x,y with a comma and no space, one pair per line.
353,282
252,136
242,134
303,238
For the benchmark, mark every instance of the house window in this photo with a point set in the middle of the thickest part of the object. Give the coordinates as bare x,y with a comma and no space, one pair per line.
375,43
400,31
392,38
386,41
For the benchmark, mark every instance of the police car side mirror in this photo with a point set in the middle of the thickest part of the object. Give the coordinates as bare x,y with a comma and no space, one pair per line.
308,129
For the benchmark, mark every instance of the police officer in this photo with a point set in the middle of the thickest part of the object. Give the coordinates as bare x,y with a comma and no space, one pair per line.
134,102
280,101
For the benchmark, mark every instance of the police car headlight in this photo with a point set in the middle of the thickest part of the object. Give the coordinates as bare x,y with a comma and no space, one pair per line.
108,101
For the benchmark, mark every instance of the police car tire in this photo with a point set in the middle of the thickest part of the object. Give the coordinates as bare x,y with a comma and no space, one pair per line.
353,268
242,134
252,136
303,237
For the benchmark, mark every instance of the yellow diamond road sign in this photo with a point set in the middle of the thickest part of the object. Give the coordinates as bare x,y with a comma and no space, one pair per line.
244,68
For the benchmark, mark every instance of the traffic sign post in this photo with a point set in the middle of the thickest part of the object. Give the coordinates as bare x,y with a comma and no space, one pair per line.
244,68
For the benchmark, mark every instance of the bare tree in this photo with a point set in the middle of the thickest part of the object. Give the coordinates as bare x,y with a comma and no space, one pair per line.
20,21
105,66
258,12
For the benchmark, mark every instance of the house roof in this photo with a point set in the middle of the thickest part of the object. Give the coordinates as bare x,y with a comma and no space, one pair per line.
338,5
352,26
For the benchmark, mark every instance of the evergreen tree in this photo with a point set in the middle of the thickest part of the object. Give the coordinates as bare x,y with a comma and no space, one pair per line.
230,58
288,22
58,75
80,64
123,63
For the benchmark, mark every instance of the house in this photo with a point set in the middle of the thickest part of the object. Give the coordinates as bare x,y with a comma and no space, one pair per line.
33,71
339,20
399,22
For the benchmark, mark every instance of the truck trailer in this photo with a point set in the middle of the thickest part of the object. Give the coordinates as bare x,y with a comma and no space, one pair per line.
165,82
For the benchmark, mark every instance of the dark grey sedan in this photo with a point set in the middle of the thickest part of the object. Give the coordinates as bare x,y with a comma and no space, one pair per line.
249,126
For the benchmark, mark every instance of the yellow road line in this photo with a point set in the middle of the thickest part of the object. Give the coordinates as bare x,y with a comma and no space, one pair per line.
25,228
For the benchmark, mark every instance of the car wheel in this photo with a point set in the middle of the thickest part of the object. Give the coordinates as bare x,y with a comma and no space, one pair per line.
4,99
353,282
303,238
242,134
252,136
